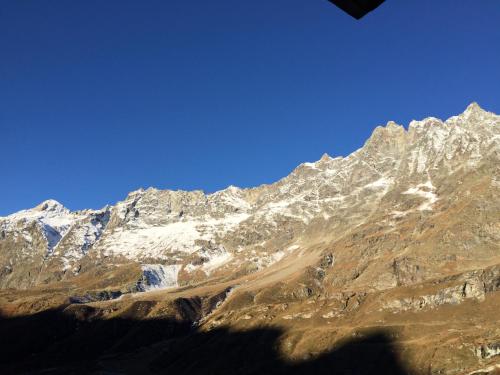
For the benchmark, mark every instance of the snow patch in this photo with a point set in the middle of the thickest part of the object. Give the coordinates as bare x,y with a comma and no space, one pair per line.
157,276
399,214
212,259
159,241
425,191
216,259
277,256
310,165
380,183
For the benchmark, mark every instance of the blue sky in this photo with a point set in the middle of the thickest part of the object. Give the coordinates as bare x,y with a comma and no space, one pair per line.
98,98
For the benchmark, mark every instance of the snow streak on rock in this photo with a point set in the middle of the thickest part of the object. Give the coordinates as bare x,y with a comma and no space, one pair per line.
157,276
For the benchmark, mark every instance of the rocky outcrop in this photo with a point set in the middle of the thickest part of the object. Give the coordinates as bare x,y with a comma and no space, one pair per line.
487,351
104,295
454,295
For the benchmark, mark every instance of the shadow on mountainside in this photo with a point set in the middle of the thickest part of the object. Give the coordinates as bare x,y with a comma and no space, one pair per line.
55,342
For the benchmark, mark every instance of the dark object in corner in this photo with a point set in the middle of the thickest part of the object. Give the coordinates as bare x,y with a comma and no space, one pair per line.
357,8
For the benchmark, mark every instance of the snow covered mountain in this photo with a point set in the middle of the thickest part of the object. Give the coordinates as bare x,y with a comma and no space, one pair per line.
400,238
398,174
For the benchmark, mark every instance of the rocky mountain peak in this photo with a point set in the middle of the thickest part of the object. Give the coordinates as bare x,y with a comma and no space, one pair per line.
417,126
386,138
473,108
325,157
393,126
474,116
50,205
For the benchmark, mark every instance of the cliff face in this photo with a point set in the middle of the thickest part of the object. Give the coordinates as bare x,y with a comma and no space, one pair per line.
400,233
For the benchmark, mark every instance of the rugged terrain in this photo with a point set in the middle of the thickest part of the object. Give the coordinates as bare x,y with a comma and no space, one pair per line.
384,261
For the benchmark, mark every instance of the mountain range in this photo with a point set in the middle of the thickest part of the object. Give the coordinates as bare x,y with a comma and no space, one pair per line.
399,241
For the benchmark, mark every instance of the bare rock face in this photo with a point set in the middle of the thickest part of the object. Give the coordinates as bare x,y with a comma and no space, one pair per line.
406,226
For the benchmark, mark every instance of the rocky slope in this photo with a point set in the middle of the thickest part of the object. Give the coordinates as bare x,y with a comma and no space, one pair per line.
394,237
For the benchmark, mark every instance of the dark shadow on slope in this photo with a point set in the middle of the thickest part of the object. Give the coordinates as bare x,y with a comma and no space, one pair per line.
55,342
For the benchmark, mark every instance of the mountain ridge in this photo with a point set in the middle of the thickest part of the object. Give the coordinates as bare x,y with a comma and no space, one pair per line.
472,109
402,236
176,224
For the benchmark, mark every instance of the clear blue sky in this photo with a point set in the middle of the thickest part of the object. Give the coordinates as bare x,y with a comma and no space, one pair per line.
98,98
